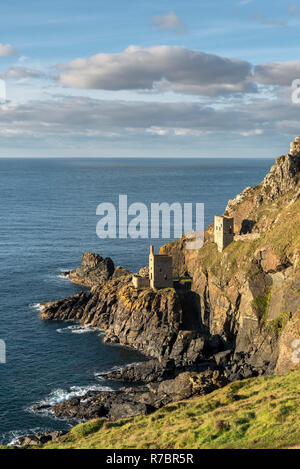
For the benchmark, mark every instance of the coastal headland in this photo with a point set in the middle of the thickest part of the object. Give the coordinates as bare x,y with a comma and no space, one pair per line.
230,316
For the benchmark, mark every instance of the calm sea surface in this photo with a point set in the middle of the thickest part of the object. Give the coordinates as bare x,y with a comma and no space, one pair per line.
47,220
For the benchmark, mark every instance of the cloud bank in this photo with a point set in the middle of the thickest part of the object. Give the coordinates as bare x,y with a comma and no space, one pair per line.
160,68
98,118
173,68
268,111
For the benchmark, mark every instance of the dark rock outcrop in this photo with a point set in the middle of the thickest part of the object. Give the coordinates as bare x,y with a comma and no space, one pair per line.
120,272
153,322
157,370
145,372
142,400
94,270
39,438
71,308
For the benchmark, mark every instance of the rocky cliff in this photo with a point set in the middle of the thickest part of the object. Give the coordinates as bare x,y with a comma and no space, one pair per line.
249,295
94,270
242,309
160,323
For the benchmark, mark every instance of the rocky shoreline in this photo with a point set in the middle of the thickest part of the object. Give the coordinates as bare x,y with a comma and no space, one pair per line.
238,319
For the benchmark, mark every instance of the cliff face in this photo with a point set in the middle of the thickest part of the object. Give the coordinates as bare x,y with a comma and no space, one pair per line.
249,295
245,300
157,323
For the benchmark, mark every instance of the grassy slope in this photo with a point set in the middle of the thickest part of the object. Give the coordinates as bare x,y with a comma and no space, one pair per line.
255,413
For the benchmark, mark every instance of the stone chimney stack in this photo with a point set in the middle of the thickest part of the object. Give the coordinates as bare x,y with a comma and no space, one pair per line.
151,250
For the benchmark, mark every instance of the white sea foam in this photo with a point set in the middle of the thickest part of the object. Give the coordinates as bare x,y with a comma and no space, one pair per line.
63,277
36,306
61,395
11,438
77,329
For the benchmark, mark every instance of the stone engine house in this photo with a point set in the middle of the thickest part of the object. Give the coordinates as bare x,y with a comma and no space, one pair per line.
160,272
223,232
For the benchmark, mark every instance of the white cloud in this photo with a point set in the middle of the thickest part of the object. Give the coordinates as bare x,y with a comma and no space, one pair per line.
250,133
159,68
154,130
277,73
175,131
169,22
18,73
91,118
177,69
7,50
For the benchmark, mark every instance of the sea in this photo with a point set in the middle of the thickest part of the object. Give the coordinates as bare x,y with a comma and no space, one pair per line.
47,221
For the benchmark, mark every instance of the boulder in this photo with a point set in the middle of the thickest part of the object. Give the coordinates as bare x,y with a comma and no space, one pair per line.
94,270
39,438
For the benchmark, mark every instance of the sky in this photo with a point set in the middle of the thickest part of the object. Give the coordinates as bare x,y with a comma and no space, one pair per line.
141,78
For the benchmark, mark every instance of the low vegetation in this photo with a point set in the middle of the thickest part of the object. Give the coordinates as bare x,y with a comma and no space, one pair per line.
281,235
261,305
276,326
255,413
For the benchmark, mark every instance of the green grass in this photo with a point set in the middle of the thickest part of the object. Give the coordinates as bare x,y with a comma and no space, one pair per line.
261,306
276,326
284,237
226,264
255,413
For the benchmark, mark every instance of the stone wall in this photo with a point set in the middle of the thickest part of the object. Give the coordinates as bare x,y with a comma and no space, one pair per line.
140,282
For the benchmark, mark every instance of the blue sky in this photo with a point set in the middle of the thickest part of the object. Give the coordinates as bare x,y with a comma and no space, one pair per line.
141,78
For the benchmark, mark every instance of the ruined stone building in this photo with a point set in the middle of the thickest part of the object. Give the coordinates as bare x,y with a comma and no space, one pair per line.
295,147
139,281
223,232
160,272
